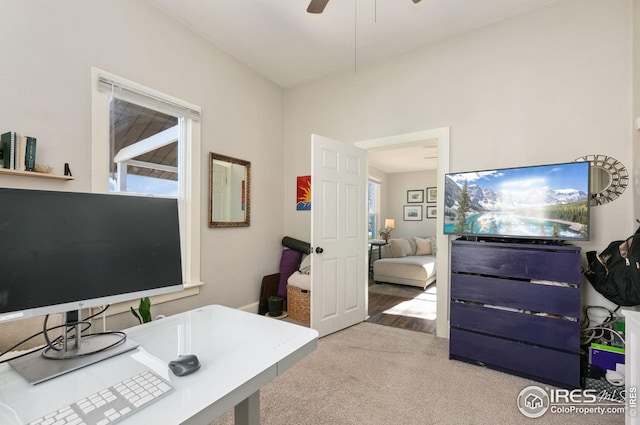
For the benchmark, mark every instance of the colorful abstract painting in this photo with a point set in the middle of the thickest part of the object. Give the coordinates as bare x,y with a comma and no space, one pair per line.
303,193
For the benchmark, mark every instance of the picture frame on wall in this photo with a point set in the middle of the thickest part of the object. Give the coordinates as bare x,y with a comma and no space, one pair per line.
432,194
415,196
413,213
303,193
432,211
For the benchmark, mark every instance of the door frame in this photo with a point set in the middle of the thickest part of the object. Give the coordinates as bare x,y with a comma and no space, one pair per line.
441,138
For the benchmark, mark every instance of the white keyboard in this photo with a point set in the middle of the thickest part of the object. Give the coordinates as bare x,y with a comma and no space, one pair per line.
111,404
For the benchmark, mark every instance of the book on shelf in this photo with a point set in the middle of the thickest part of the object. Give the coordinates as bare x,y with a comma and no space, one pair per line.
30,155
21,152
8,141
18,152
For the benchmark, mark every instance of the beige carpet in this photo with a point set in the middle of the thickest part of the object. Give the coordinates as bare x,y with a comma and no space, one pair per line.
377,375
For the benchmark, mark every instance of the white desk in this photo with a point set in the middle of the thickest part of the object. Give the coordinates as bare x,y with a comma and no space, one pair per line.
239,352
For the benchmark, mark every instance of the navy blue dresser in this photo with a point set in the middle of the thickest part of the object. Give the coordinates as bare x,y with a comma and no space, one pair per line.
515,307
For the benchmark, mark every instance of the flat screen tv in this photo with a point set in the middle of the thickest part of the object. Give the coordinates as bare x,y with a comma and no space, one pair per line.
548,203
70,251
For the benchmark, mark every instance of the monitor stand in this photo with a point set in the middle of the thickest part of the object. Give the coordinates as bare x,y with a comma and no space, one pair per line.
36,368
74,352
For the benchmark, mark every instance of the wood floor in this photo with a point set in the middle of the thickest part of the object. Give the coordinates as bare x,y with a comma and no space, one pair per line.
379,303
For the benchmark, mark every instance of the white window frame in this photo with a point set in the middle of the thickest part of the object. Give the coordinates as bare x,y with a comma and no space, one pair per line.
189,166
375,214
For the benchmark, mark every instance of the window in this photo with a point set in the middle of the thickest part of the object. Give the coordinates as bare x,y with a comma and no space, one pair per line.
146,142
374,208
143,150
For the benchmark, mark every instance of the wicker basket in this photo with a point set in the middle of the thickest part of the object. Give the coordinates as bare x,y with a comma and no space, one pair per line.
298,304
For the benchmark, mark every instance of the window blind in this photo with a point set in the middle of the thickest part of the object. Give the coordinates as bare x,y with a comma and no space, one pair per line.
148,98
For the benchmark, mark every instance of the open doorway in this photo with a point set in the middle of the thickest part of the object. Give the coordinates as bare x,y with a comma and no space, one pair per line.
401,306
402,174
439,138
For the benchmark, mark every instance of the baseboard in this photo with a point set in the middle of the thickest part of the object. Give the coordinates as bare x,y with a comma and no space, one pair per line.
250,308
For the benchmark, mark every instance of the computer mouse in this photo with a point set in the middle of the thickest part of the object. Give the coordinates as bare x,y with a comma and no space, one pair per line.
615,378
184,365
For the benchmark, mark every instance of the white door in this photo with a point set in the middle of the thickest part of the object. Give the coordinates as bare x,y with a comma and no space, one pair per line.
219,192
338,235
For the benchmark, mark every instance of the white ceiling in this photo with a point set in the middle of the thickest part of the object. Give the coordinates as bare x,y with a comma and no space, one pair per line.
287,45
421,156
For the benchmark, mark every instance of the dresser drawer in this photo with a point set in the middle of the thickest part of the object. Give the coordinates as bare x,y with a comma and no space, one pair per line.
540,330
559,264
546,365
558,300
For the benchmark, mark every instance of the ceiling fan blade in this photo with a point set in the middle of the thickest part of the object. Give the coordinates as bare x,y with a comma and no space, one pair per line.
317,6
416,1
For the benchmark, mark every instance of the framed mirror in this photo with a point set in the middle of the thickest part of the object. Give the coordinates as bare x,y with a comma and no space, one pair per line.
229,191
609,178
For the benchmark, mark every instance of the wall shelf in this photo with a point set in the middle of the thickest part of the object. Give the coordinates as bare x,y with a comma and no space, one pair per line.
34,174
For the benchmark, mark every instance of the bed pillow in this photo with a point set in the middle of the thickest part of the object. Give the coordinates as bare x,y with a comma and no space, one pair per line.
399,247
434,246
305,265
423,247
412,245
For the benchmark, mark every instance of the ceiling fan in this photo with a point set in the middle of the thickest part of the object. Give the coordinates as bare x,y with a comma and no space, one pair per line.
317,6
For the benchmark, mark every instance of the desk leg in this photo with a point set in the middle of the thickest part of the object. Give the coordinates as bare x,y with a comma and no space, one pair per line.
247,412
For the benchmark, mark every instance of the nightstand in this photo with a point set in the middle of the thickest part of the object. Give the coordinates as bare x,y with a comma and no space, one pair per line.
377,243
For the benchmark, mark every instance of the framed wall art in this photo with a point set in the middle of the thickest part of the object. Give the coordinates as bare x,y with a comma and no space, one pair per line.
413,213
432,194
432,211
303,193
415,196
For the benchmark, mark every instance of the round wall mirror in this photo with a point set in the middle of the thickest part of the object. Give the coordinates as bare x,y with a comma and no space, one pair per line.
609,178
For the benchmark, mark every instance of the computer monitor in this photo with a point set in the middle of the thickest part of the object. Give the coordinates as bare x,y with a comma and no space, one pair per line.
69,251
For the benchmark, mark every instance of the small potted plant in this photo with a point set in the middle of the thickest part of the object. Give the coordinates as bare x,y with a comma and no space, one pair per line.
144,311
275,305
385,233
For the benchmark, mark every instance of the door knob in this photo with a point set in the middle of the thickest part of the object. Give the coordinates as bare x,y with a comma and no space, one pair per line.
319,250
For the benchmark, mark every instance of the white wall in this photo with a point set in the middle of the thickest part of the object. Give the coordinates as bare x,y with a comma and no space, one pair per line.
550,85
47,49
397,185
545,87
